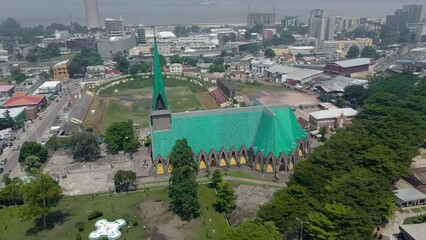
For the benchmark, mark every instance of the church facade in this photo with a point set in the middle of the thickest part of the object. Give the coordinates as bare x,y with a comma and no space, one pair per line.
268,138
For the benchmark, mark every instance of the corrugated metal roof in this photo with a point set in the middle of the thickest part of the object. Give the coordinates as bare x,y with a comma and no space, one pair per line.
303,73
5,88
282,69
338,84
416,231
354,62
409,194
333,113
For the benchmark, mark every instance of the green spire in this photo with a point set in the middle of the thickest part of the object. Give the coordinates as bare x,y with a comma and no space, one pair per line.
159,99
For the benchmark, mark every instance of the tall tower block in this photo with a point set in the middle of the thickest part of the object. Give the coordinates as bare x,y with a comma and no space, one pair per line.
92,14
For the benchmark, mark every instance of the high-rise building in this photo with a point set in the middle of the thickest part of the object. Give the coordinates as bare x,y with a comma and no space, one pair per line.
290,21
92,14
114,27
321,25
415,13
141,35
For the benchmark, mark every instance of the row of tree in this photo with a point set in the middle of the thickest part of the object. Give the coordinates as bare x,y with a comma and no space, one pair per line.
367,52
344,189
43,53
86,57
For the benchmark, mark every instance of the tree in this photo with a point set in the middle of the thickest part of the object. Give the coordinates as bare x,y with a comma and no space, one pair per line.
226,198
85,146
33,148
175,59
7,121
6,179
123,180
253,230
19,77
216,179
40,195
353,52
32,164
356,94
216,68
323,131
254,48
195,29
134,69
182,184
11,193
121,136
122,63
181,31
163,61
340,102
369,52
269,53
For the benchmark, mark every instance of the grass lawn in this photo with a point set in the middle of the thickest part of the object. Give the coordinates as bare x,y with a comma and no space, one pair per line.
131,100
416,210
253,88
124,206
73,211
239,174
424,209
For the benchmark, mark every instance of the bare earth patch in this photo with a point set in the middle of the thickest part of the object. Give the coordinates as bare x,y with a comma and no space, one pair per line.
161,224
292,98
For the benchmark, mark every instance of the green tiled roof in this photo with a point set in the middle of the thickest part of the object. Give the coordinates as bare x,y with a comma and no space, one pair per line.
267,128
158,84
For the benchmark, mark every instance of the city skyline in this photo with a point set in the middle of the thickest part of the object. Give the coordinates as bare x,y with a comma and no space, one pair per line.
188,11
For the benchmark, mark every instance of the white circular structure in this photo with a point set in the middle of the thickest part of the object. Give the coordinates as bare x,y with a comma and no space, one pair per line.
105,229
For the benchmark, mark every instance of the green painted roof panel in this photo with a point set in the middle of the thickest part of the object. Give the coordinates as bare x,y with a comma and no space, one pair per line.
158,84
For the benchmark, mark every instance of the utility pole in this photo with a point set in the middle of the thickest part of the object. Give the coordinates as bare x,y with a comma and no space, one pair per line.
301,228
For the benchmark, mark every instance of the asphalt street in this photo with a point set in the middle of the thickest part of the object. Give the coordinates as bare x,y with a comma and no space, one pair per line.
34,132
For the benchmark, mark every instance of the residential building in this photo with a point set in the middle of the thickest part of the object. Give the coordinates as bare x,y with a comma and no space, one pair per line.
332,118
164,37
176,68
6,91
260,65
92,14
97,71
114,27
409,197
261,18
348,66
60,71
342,46
413,231
110,46
253,136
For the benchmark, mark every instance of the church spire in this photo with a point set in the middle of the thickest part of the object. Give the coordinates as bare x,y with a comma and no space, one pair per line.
159,100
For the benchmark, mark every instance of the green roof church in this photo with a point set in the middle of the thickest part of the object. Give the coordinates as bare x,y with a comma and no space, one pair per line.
267,138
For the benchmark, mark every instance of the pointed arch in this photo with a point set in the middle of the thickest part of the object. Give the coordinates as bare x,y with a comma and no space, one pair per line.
259,162
160,102
223,161
170,168
233,157
291,163
300,150
270,166
281,164
213,158
243,159
202,164
160,167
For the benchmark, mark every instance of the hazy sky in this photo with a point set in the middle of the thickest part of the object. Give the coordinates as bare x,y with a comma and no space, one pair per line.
34,12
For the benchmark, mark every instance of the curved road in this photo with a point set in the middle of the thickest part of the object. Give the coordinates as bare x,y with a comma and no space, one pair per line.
34,132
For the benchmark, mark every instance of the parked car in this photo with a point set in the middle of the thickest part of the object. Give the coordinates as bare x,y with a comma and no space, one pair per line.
3,162
16,147
1,170
40,118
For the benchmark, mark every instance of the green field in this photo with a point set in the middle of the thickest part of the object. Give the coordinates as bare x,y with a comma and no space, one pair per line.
126,206
132,100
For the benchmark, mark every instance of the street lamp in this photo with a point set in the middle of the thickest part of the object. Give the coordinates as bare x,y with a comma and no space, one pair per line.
301,227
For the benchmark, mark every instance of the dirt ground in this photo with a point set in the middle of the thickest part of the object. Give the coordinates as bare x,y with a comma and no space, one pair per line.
100,105
161,224
206,101
97,176
420,160
248,201
292,98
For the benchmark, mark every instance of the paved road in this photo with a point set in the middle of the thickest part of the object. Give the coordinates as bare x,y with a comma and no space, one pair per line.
33,133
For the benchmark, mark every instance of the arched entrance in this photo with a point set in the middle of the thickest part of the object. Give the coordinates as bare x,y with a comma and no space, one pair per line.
291,164
243,159
282,168
270,167
170,168
160,168
222,160
213,161
301,155
203,163
258,166
233,161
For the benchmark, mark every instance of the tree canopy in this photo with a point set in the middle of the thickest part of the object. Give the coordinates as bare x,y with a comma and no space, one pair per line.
123,180
86,57
122,63
33,149
344,188
369,52
353,52
269,53
253,230
120,136
182,183
85,146
225,198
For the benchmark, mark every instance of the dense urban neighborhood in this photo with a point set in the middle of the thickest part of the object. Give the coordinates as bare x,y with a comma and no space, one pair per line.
276,127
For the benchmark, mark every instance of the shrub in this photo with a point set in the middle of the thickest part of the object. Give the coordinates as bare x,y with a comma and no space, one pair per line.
135,223
95,214
79,226
78,236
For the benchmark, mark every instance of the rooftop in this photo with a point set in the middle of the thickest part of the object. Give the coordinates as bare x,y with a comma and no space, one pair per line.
303,73
333,113
354,62
281,69
23,100
13,112
263,61
50,84
62,63
339,83
162,35
6,88
416,231
409,194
